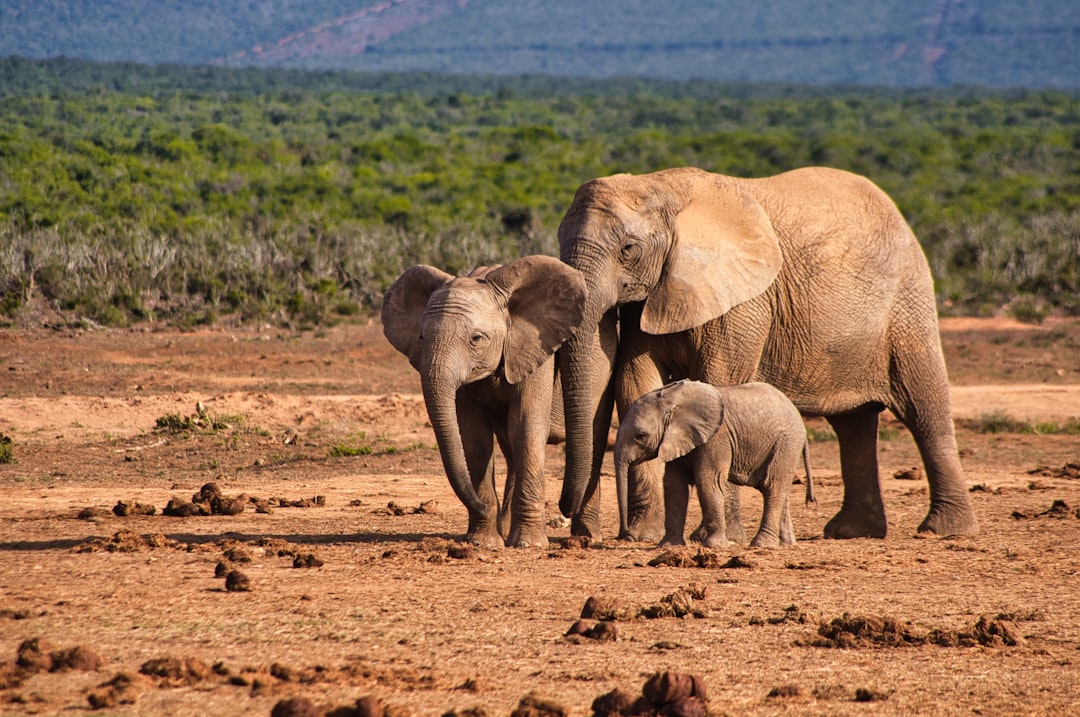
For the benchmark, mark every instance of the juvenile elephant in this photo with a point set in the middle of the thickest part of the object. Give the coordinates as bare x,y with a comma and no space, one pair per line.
483,345
749,434
810,281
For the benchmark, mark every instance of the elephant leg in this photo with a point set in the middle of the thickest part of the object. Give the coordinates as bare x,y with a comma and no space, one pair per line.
775,518
733,527
734,530
931,425
510,488
787,528
676,501
528,428
479,444
638,373
862,514
712,495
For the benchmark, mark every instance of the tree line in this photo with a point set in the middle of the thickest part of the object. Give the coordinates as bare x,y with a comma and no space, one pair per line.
300,196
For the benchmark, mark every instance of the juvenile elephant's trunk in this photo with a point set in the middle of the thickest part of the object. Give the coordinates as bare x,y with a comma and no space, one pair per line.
622,470
440,395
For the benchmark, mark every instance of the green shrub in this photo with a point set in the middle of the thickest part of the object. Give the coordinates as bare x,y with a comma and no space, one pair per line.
7,453
341,450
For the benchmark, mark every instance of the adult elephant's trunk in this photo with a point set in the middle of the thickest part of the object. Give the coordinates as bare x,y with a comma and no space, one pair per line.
440,395
581,398
579,414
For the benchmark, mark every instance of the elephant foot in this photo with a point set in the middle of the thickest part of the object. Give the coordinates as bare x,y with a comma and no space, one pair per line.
715,540
764,540
528,537
587,526
671,541
855,524
734,533
646,528
485,539
945,521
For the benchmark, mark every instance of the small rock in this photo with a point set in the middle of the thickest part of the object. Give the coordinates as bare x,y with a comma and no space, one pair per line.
80,658
863,694
532,705
306,560
616,702
296,707
34,655
368,707
601,609
236,581
913,473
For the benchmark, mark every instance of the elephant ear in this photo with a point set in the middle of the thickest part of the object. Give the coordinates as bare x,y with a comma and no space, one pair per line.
725,252
546,303
403,305
693,412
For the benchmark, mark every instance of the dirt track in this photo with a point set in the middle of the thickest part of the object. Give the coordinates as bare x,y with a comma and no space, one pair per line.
397,611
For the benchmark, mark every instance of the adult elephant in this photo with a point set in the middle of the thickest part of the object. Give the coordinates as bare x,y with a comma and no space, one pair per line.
810,280
483,345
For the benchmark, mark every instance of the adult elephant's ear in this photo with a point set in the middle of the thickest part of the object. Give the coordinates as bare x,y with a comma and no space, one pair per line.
725,252
403,305
693,412
545,302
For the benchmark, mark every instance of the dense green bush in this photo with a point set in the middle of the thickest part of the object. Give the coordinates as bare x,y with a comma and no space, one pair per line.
182,204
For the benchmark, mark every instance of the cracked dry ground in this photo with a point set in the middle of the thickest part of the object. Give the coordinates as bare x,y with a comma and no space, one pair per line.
334,512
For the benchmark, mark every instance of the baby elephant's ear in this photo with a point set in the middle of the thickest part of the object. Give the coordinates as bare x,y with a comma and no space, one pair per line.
403,305
546,303
693,412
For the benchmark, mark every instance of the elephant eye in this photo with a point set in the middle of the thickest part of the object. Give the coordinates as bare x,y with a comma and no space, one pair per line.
640,436
630,250
476,338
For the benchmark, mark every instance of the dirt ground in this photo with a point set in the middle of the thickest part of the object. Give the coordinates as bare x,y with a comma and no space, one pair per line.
356,586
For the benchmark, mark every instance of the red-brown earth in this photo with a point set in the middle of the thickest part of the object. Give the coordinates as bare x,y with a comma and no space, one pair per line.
356,587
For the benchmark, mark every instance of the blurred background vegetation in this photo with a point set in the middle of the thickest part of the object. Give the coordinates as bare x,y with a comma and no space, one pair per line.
189,195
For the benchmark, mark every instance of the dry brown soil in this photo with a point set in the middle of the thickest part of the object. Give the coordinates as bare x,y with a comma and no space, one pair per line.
398,611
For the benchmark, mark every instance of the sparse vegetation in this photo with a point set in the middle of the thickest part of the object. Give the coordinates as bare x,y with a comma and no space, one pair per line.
999,421
342,450
201,420
7,453
345,449
820,435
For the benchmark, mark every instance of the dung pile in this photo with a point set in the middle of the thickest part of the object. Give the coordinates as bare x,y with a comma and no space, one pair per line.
848,631
866,631
38,654
672,694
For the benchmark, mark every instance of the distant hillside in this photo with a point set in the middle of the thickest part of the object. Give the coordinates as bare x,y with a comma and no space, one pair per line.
992,43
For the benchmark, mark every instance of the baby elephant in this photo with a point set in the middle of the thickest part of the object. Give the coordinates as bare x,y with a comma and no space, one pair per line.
484,347
749,434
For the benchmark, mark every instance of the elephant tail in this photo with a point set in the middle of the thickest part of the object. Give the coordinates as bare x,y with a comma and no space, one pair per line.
810,497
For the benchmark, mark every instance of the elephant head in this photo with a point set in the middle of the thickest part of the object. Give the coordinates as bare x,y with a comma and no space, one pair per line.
667,424
504,320
688,244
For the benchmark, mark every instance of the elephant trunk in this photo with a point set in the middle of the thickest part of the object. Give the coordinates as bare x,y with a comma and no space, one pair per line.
576,370
578,417
440,396
622,470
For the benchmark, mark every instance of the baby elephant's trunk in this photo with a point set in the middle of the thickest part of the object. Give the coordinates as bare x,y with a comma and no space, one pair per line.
810,497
